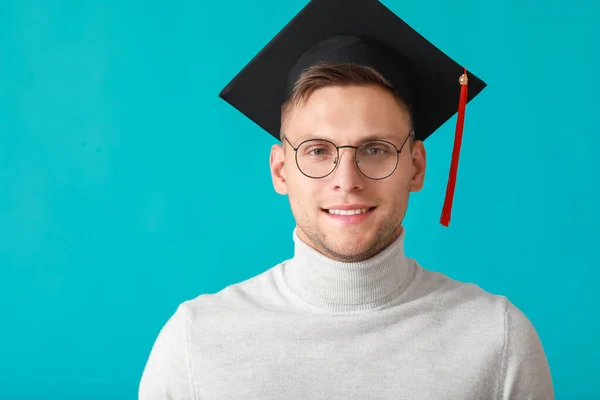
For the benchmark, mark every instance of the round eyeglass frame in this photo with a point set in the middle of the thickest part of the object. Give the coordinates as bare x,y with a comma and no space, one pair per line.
337,148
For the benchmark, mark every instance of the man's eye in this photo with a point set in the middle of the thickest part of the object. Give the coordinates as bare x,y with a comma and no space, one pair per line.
375,151
318,151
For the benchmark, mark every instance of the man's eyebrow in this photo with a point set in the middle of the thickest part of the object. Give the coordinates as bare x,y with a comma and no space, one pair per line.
388,136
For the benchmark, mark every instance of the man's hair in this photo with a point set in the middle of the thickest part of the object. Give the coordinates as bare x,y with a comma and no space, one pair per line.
334,74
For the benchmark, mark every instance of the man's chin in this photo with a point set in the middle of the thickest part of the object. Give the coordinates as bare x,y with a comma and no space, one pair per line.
351,246
344,243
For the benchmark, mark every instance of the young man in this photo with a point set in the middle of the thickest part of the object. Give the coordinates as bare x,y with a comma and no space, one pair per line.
352,92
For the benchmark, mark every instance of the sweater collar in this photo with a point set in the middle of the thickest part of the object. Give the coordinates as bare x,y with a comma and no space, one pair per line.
348,286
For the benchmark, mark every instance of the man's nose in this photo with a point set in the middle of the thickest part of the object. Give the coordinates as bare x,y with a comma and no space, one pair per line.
347,176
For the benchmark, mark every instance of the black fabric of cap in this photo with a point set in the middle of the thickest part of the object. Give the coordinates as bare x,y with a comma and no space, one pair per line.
351,31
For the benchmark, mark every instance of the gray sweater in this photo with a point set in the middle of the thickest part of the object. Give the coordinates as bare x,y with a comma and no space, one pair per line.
314,328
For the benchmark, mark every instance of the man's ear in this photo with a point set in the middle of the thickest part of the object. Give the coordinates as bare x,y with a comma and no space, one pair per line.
277,162
419,161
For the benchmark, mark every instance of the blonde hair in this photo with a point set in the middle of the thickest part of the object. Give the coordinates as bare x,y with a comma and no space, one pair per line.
333,74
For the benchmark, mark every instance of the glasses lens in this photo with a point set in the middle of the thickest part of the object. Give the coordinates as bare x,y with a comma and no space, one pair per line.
377,159
316,158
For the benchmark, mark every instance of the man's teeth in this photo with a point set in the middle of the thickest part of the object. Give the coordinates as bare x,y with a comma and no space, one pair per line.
349,212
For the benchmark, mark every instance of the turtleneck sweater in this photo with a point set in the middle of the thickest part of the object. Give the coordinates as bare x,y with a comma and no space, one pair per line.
340,287
316,328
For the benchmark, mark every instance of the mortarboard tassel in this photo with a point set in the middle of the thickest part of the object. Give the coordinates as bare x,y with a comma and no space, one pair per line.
462,104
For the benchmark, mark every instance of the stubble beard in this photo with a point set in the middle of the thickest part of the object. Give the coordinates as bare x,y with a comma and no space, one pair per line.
325,244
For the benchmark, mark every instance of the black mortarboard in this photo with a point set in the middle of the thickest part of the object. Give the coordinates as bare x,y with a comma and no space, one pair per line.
364,32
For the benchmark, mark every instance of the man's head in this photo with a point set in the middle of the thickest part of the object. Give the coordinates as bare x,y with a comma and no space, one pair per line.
347,104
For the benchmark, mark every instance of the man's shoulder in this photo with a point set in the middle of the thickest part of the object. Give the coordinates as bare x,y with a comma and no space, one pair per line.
451,294
461,297
254,293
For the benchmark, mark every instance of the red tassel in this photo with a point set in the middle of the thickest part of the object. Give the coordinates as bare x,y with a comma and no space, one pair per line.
460,122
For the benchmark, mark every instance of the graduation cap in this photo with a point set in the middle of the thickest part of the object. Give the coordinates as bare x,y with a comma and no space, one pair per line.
366,32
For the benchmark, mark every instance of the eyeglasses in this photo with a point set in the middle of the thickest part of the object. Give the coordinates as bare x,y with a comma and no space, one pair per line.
375,159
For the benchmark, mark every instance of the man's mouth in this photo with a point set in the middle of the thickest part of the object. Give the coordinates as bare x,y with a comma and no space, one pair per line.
352,211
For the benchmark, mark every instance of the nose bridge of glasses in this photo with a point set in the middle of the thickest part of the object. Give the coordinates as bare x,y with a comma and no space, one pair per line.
339,153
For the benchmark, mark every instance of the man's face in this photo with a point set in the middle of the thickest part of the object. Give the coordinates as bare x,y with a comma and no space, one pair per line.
347,116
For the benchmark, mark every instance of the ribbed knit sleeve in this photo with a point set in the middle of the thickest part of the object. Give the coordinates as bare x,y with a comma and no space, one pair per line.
168,371
524,371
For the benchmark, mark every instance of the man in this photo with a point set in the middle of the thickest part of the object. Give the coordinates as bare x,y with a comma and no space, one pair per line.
349,316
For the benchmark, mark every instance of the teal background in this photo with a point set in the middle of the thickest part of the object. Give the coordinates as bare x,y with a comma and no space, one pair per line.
117,204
